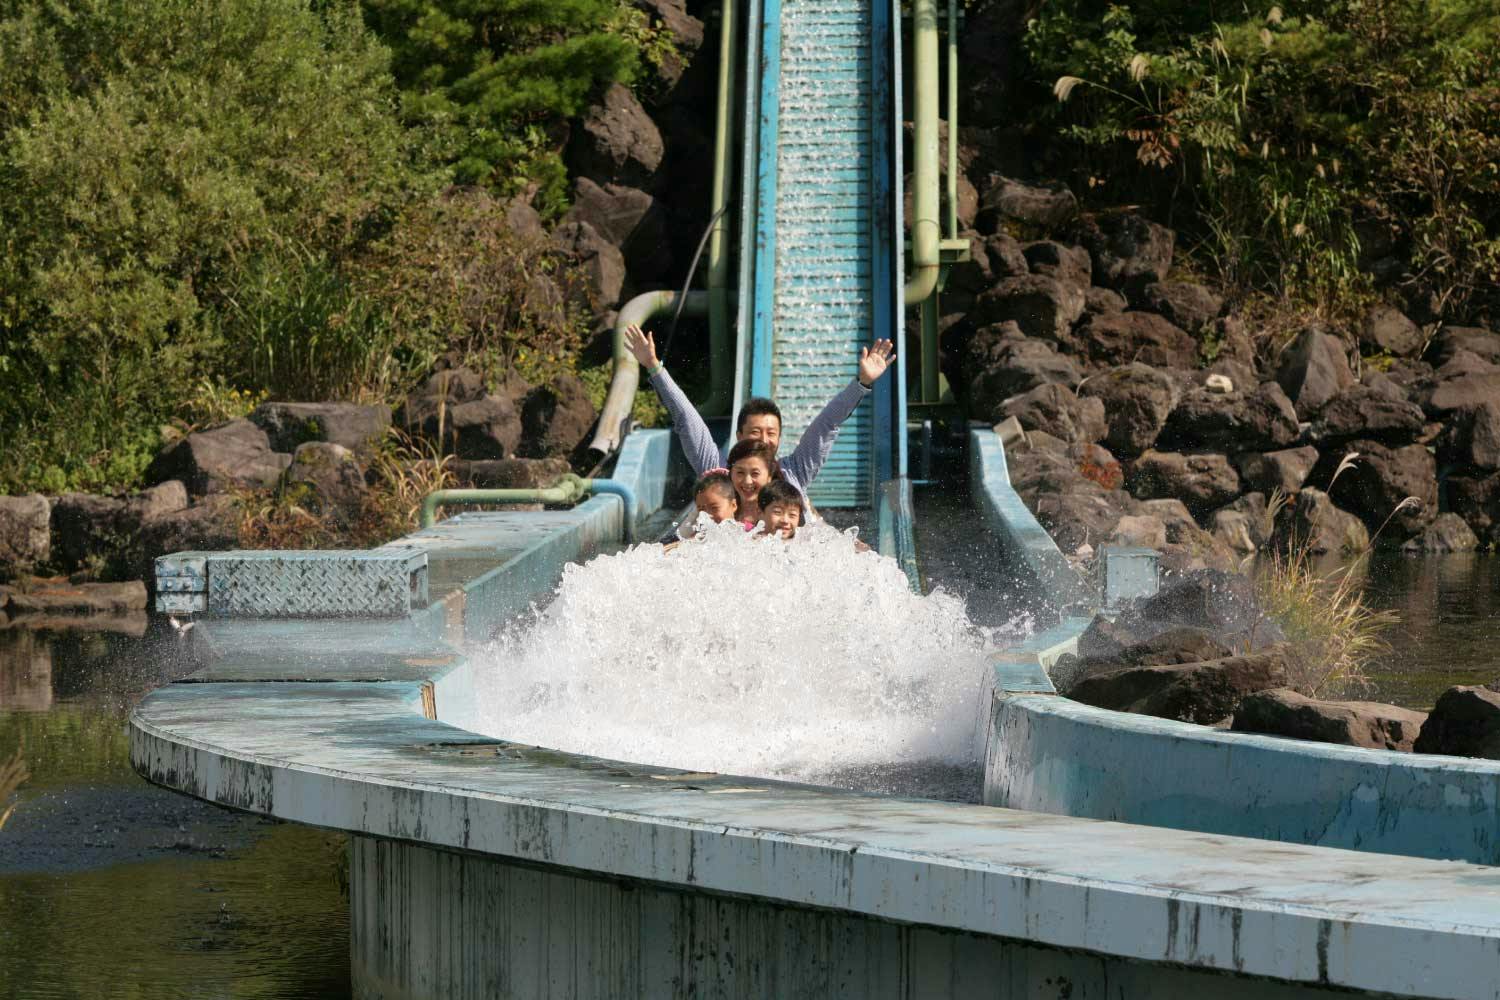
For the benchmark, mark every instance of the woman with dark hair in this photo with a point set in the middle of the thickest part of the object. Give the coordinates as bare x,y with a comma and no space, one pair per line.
752,464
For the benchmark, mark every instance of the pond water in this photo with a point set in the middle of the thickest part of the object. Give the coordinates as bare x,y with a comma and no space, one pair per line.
1450,623
111,887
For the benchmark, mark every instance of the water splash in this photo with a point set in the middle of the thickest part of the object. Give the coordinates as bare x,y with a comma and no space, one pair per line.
802,660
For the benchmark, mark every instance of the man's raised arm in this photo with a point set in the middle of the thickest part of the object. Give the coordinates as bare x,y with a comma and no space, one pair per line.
816,443
697,443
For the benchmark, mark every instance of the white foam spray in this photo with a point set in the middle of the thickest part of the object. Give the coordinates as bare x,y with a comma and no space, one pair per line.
740,654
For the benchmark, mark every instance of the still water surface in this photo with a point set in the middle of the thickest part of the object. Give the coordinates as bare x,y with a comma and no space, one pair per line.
111,887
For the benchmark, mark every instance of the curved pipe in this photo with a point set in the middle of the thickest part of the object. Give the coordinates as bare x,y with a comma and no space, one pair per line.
720,374
615,414
926,230
567,490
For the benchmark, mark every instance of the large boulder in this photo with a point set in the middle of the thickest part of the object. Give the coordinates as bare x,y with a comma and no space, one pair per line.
510,473
1312,370
1137,401
1452,339
1387,329
328,478
1255,419
1176,645
1471,437
1192,692
1241,525
599,263
1040,305
1476,499
1465,722
456,410
1464,382
1043,206
1447,533
1377,486
629,219
351,425
1056,410
236,455
616,141
1119,338
25,533
211,524
1190,549
1361,411
1202,481
1311,519
1284,712
85,527
1129,251
1098,301
1284,470
1189,306
1000,363
1068,264
556,418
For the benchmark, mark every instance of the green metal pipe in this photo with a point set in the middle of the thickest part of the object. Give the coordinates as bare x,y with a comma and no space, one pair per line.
615,413
926,231
953,119
720,364
931,387
568,490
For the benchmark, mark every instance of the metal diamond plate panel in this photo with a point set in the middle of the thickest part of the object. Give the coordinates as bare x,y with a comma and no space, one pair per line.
316,584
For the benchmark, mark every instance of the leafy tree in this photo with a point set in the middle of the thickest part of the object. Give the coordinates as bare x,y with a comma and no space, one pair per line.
493,80
150,152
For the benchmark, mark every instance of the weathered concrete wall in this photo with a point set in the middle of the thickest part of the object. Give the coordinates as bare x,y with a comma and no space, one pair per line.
429,923
1051,754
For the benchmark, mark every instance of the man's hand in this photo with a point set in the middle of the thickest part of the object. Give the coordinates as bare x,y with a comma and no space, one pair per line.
642,345
873,361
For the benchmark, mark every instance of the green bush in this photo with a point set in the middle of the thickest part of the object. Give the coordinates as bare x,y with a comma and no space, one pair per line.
493,80
1292,134
163,163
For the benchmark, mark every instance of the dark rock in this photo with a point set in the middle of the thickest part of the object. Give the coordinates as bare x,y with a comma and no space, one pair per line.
510,473
1001,363
1108,339
1361,412
1472,437
1284,712
600,264
1129,251
1048,207
1284,470
1311,519
1096,465
67,598
523,220
25,533
1070,265
456,411
1103,300
1447,533
211,524
1174,646
1389,330
1452,339
556,418
234,455
1312,370
1041,306
352,425
616,141
1056,410
629,219
1476,499
1465,722
1189,549
1241,525
84,528
685,29
1006,258
1202,482
1192,692
1380,481
1075,519
1464,382
1191,307
1258,419
162,499
328,479
1384,386
1139,531
1137,401
1411,376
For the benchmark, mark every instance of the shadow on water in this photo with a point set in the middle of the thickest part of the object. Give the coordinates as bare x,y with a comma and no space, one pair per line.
112,887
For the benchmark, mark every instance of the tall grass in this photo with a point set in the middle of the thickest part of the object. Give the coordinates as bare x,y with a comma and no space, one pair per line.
1333,631
13,774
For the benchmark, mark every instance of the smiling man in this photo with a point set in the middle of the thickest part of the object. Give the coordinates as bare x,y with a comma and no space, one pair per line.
759,418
